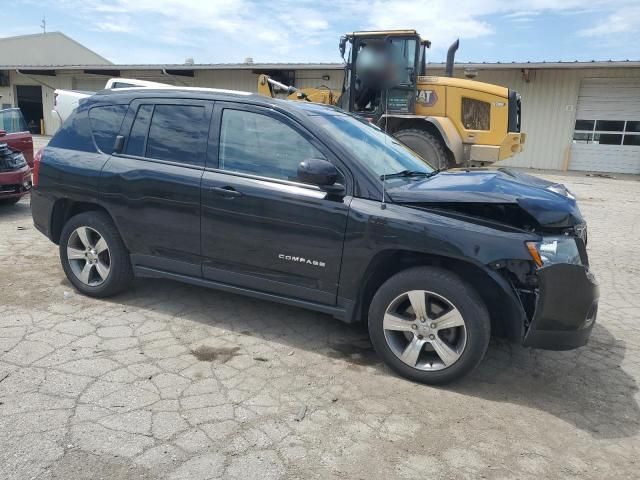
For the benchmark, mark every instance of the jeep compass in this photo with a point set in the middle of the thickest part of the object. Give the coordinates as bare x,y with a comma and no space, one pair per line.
307,205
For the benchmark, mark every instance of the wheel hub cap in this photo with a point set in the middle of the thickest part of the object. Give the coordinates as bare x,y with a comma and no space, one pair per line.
88,256
425,330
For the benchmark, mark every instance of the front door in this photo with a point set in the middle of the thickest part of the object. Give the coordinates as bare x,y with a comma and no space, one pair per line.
261,228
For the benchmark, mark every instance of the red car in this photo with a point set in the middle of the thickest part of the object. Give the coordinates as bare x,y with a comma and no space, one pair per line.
16,156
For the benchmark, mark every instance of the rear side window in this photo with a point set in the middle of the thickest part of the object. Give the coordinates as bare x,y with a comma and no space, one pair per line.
177,134
122,85
105,125
74,134
135,145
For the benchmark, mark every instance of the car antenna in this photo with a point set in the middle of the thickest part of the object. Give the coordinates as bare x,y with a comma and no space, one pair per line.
383,205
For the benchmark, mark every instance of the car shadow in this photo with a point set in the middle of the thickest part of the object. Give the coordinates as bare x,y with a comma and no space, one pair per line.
18,211
585,387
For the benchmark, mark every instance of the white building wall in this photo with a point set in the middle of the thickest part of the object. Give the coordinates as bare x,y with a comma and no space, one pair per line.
247,81
549,102
75,80
243,80
549,99
48,84
314,78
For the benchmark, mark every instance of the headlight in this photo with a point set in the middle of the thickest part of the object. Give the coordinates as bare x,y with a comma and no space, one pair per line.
15,161
561,190
552,250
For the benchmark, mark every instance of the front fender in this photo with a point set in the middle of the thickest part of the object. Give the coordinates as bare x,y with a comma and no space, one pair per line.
469,249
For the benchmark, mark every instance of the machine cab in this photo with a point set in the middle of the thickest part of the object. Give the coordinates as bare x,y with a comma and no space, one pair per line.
381,71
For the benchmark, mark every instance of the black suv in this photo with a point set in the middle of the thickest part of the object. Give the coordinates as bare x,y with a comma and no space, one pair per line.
306,205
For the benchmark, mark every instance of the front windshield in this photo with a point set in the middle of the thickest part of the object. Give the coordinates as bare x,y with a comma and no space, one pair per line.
11,121
379,152
403,57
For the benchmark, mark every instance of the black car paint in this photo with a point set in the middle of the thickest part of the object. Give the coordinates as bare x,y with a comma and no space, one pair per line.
234,232
545,208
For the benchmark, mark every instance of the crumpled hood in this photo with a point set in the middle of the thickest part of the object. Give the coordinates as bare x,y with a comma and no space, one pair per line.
455,188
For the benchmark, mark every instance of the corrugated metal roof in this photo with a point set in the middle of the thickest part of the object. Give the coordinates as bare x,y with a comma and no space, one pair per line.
561,64
329,66
185,66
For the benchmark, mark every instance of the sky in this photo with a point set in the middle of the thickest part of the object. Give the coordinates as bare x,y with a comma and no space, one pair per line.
228,31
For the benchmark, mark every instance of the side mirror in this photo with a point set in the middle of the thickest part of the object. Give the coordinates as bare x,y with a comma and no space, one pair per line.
322,173
3,133
342,46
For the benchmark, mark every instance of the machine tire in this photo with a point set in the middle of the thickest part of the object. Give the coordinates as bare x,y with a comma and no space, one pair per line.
425,144
460,331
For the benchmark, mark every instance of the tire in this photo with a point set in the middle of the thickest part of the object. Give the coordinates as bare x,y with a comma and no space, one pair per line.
108,266
7,202
426,145
444,354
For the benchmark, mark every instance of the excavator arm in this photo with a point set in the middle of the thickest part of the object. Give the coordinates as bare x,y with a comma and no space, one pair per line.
269,87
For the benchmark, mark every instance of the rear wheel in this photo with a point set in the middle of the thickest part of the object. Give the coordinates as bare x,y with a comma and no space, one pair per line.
93,255
425,144
428,325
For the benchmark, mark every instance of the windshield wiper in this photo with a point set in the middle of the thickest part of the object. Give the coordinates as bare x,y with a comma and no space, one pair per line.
408,173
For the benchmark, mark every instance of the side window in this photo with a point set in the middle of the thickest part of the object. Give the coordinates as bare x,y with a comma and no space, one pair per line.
261,145
122,85
135,144
105,125
75,133
177,134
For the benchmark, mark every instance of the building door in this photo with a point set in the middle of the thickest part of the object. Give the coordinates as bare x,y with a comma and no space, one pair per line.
30,103
607,129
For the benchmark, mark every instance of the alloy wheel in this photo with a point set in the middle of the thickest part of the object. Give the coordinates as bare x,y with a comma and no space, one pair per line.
425,330
88,256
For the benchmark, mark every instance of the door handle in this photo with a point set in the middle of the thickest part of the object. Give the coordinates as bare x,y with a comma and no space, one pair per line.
225,192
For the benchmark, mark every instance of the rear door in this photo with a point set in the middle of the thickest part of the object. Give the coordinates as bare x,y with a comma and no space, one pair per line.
261,228
152,188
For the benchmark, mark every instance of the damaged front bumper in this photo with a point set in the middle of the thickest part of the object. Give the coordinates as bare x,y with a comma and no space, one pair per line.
566,306
15,183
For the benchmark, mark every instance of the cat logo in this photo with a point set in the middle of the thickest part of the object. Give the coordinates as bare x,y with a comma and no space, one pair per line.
428,98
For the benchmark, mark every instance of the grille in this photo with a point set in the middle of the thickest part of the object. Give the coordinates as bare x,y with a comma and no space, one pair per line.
476,114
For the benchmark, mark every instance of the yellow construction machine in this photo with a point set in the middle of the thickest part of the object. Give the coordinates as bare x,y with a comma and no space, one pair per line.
450,122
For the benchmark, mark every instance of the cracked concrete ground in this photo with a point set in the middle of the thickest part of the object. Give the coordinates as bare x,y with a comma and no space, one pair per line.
179,382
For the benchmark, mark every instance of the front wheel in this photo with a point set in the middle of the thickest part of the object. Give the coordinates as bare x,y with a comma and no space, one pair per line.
93,255
428,325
